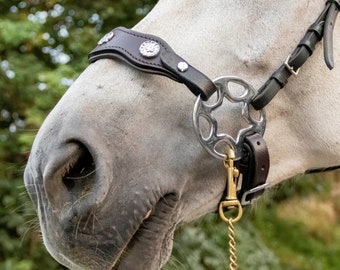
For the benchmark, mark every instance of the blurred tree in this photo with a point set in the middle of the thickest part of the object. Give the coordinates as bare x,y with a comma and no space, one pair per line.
38,38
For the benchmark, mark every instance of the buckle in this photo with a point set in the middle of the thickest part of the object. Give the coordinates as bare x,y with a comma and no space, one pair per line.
254,190
290,68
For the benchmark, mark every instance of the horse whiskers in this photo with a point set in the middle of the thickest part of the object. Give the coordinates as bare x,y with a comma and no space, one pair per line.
88,219
81,225
98,250
23,207
77,227
79,199
119,237
24,186
33,226
98,221
102,258
81,177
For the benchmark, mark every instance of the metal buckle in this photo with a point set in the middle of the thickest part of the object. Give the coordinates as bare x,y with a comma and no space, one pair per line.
252,191
290,68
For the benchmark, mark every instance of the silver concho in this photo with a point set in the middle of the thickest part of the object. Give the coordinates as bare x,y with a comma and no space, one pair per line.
106,38
149,48
206,126
182,66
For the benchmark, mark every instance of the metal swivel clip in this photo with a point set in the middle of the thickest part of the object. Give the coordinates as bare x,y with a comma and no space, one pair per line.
231,200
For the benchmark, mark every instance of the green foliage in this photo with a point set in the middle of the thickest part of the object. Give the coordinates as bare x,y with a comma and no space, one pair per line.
15,33
204,246
304,228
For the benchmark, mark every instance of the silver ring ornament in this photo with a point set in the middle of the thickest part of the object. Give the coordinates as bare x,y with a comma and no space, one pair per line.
234,90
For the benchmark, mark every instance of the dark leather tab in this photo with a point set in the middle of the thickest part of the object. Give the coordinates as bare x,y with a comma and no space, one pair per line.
328,32
125,45
192,78
254,168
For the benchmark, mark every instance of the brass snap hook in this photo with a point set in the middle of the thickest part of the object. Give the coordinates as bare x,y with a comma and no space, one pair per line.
228,205
231,200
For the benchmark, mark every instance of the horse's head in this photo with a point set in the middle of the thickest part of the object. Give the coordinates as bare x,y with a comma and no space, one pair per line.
116,165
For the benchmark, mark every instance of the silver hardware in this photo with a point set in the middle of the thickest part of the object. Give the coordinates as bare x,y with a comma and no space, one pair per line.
149,48
182,66
252,191
290,68
205,110
106,38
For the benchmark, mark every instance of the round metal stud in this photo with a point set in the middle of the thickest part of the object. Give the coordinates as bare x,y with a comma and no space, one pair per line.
182,66
106,38
149,49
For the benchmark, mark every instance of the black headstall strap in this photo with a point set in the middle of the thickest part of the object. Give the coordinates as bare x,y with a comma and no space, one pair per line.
319,170
321,28
152,54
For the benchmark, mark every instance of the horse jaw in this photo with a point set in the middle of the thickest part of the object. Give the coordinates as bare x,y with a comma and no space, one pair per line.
136,129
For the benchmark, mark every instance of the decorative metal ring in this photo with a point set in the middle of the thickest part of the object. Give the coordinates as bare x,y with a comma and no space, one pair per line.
235,90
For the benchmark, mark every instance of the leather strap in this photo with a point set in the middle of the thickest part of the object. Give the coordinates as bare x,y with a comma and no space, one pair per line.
318,170
328,32
322,27
254,168
125,44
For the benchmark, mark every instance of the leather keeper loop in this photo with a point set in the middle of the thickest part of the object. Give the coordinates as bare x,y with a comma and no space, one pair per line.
336,2
281,75
254,168
299,57
317,28
268,91
309,42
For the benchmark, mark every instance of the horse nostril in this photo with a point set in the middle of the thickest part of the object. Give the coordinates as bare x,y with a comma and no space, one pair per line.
79,176
70,179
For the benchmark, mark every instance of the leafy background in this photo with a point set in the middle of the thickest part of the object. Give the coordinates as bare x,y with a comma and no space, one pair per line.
43,48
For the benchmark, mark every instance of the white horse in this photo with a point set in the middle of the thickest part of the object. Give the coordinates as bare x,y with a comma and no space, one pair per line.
116,166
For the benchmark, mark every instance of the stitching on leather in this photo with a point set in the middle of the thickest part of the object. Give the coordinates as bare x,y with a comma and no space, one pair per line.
146,37
141,60
133,56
